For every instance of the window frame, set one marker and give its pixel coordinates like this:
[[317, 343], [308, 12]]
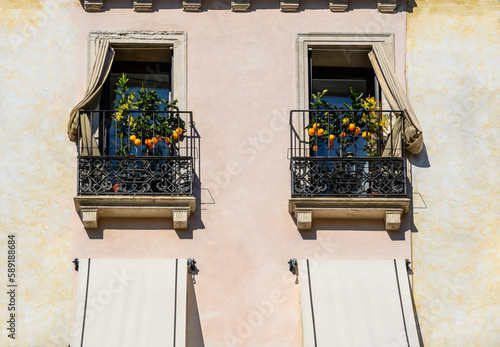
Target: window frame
[[306, 41], [177, 40]]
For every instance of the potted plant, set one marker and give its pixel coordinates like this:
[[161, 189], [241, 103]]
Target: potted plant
[[349, 126], [155, 120]]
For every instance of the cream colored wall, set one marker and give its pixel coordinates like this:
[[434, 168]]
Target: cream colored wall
[[241, 86], [452, 72]]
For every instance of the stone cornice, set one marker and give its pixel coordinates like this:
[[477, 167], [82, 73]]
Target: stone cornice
[[386, 6]]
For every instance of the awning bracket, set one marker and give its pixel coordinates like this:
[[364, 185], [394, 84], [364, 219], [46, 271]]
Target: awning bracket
[[192, 269], [294, 269]]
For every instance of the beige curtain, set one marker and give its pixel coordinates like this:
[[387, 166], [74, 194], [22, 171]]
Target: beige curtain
[[100, 71], [398, 100]]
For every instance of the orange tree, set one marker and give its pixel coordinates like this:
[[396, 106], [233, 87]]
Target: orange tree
[[157, 120], [326, 126]]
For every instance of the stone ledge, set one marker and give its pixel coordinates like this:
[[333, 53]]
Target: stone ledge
[[390, 210], [91, 208]]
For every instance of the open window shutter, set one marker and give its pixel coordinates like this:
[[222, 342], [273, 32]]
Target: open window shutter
[[100, 71]]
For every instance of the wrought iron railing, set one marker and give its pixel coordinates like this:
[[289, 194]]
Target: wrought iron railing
[[128, 159], [347, 153]]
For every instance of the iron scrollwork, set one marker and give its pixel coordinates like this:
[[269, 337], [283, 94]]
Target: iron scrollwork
[[348, 177], [135, 175]]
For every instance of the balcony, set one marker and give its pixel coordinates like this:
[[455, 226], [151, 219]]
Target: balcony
[[348, 164], [139, 165]]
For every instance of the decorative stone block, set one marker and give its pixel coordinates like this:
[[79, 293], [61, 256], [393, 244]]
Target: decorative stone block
[[143, 5], [339, 5], [393, 220], [93, 5], [289, 5], [191, 5], [89, 217], [240, 5], [386, 5], [304, 219], [180, 218]]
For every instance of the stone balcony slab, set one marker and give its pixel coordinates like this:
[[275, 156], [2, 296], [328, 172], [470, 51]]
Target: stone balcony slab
[[92, 208], [391, 210]]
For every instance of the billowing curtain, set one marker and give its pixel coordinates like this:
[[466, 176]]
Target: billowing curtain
[[398, 100], [100, 71]]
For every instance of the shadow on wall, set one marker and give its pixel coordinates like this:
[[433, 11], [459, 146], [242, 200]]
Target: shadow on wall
[[193, 324], [139, 224], [411, 4], [354, 225], [421, 159]]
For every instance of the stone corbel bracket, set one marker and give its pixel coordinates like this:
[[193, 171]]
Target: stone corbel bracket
[[339, 5], [191, 5], [387, 6], [93, 5], [240, 5], [390, 210], [92, 208], [289, 5], [143, 5]]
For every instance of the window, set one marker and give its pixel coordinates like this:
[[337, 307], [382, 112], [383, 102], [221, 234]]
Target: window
[[144, 67], [107, 170], [347, 163]]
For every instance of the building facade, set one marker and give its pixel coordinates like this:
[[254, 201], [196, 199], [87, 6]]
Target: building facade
[[248, 186]]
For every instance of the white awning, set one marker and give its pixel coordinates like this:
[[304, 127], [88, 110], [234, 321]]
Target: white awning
[[356, 303], [130, 302]]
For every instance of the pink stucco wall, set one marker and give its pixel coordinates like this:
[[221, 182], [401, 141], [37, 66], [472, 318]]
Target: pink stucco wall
[[241, 87]]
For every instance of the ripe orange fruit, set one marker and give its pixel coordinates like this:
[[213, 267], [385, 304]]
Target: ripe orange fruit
[[321, 132], [331, 137], [175, 136], [315, 148], [315, 126], [154, 140], [365, 134], [352, 127], [167, 140], [311, 131], [357, 131], [345, 120], [330, 144], [344, 135], [133, 138], [179, 131], [137, 142]]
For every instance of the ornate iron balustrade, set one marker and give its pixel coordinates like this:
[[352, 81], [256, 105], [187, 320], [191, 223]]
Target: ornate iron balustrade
[[135, 175], [348, 177], [110, 162], [365, 162]]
